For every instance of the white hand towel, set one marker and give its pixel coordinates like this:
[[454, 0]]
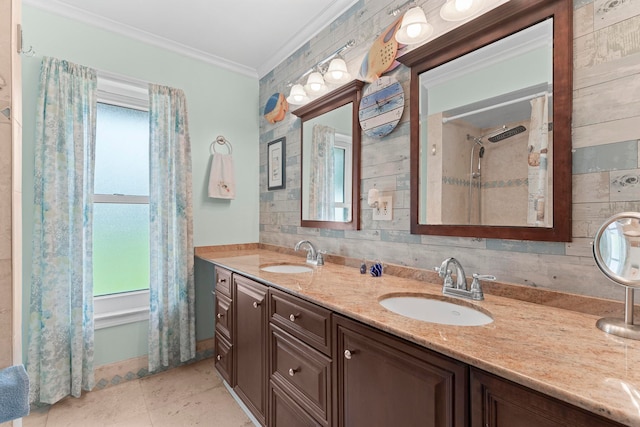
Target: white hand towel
[[222, 181]]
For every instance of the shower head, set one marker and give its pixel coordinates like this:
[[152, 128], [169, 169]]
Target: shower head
[[508, 133]]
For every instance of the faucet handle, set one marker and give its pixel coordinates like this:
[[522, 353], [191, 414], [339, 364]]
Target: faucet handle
[[320, 257], [446, 275], [476, 287]]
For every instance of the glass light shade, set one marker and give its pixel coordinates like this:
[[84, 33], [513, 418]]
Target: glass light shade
[[297, 96], [315, 83], [337, 72], [414, 28], [458, 10]]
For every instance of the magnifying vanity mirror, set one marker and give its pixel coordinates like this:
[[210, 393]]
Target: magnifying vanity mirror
[[616, 249], [330, 172], [491, 125]]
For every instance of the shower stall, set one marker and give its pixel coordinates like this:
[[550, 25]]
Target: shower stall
[[476, 189]]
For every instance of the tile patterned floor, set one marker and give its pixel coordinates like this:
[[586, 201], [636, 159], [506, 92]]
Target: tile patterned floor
[[187, 396]]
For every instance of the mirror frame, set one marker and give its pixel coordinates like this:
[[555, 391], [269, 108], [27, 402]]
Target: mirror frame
[[350, 92], [494, 25]]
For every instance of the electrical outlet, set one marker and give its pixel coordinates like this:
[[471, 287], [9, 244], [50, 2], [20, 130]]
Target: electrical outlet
[[384, 211]]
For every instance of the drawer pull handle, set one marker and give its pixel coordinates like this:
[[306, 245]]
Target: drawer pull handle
[[293, 317], [348, 354], [292, 371], [219, 358], [222, 281], [256, 304], [219, 315]]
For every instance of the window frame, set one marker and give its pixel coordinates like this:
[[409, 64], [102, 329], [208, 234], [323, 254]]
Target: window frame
[[343, 142], [124, 307]]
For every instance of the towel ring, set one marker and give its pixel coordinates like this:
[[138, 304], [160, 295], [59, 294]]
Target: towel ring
[[222, 141]]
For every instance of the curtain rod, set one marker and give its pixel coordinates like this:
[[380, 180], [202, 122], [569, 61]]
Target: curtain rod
[[491, 107]]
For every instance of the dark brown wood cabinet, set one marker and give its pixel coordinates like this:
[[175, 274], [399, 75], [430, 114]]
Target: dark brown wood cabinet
[[224, 325], [300, 362], [496, 402], [250, 344], [384, 381], [296, 364]]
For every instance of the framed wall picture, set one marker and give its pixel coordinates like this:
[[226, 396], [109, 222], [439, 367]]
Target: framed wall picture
[[276, 155]]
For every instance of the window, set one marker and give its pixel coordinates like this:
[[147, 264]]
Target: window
[[121, 203]]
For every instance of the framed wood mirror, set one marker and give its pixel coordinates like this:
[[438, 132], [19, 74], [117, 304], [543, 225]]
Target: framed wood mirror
[[491, 105], [330, 157]]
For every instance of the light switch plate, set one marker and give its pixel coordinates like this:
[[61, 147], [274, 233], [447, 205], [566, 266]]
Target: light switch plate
[[384, 211]]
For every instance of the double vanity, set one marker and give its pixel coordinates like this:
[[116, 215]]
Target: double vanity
[[314, 345]]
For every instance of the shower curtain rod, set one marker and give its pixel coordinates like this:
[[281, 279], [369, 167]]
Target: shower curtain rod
[[491, 107]]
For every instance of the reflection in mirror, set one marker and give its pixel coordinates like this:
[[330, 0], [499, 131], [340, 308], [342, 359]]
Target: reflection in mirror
[[616, 249], [487, 120], [327, 166], [330, 172], [490, 112]]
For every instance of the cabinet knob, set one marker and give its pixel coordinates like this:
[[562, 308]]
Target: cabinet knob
[[218, 358], [256, 304], [292, 371], [293, 317], [348, 354], [219, 315]]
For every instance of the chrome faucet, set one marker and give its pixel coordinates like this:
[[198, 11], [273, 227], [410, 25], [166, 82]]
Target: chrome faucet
[[312, 253], [461, 289]]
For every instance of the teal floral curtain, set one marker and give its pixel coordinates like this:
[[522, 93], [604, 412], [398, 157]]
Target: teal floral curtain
[[171, 291], [60, 355]]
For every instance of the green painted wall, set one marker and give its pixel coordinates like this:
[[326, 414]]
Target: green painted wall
[[220, 102]]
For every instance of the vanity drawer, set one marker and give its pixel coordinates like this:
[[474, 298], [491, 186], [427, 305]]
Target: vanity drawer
[[304, 320], [224, 315], [301, 371], [224, 359], [223, 281], [284, 412]]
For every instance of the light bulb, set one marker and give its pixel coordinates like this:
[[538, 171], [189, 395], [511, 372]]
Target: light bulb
[[413, 30], [462, 5], [337, 75], [298, 98]]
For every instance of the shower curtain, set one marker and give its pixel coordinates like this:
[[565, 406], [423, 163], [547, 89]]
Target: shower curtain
[[60, 355], [322, 194], [538, 161], [171, 290]]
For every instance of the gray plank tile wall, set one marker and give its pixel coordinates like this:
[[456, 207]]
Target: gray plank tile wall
[[606, 163]]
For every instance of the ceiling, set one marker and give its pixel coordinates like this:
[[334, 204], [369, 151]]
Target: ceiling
[[247, 36]]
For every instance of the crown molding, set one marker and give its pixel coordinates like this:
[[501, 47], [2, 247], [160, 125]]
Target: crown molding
[[312, 28], [77, 14]]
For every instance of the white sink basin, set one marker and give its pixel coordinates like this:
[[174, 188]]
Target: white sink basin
[[286, 268], [431, 309]]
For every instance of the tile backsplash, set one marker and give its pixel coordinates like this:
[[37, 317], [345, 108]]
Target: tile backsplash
[[606, 157]]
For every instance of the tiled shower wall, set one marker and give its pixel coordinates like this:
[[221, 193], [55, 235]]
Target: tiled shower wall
[[606, 159]]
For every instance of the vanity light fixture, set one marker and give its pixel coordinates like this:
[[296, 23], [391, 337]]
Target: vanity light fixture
[[337, 72], [315, 84], [414, 28], [334, 69], [297, 96], [459, 10]]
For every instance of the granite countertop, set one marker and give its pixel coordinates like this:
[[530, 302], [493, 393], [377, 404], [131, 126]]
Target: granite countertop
[[555, 351]]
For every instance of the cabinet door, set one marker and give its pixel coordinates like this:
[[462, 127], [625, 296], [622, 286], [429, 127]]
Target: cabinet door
[[385, 381], [496, 402], [250, 344]]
